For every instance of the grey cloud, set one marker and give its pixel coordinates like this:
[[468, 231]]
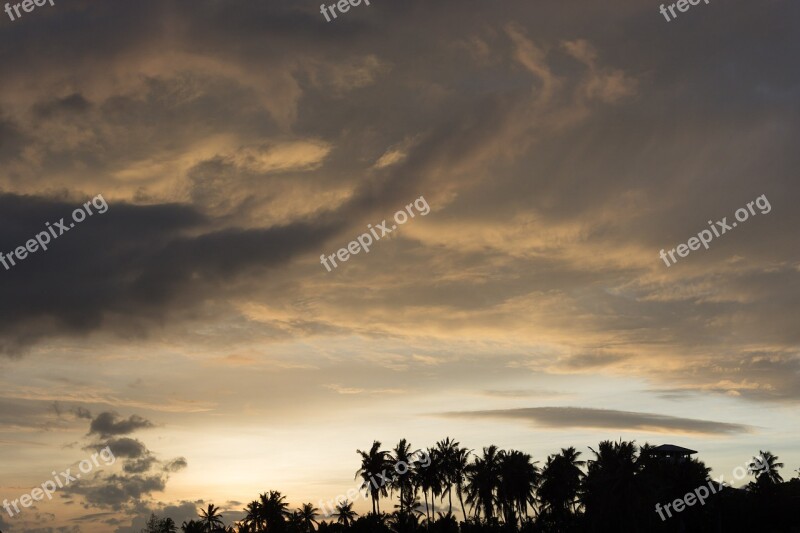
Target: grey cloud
[[109, 423], [139, 466], [581, 417], [182, 512], [123, 447], [114, 491], [176, 465], [136, 264], [523, 393], [74, 103]]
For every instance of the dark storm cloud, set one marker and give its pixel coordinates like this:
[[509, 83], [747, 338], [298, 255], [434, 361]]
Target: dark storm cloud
[[176, 465], [12, 139], [139, 466], [74, 103], [180, 513], [114, 491], [124, 268], [123, 447], [137, 481], [109, 423], [580, 417]]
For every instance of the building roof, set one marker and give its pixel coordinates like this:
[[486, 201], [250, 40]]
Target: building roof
[[671, 448]]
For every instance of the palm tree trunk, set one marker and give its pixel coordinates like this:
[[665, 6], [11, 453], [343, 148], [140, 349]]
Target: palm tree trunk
[[427, 509], [401, 497], [450, 497], [461, 499]]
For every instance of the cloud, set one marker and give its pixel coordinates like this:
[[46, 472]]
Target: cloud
[[523, 393], [114, 491], [109, 423], [181, 512], [176, 465], [134, 265], [580, 417]]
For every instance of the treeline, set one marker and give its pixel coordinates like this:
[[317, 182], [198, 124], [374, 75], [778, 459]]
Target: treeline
[[455, 490]]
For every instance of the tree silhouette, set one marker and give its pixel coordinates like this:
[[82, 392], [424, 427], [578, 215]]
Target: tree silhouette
[[193, 526], [211, 519], [308, 513], [429, 478], [374, 462], [621, 488], [344, 513], [560, 484], [516, 488], [765, 468], [403, 481], [611, 488], [483, 477], [459, 474]]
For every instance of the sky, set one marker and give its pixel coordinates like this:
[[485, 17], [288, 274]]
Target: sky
[[549, 152]]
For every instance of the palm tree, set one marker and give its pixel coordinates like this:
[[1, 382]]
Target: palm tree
[[447, 450], [518, 478], [344, 513], [430, 479], [193, 526], [254, 518], [612, 489], [274, 510], [211, 518], [482, 480], [294, 522], [374, 462], [309, 514], [402, 454], [561, 481], [765, 468], [459, 473]]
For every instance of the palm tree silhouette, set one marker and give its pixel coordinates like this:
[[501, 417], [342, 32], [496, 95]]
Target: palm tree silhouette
[[430, 479], [402, 454], [309, 514], [560, 485], [211, 518], [482, 480], [516, 489], [765, 468], [344, 513], [254, 518], [459, 474], [507, 492], [193, 526], [374, 462], [612, 488]]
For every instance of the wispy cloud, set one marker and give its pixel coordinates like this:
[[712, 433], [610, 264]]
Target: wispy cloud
[[581, 417]]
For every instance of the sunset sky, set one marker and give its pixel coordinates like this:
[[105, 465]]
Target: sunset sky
[[560, 147]]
